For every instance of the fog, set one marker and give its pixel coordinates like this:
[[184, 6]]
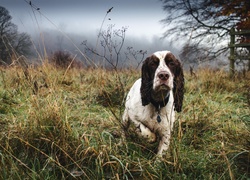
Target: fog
[[48, 41], [64, 25]]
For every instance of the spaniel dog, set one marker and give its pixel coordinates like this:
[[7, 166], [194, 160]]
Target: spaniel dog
[[153, 99]]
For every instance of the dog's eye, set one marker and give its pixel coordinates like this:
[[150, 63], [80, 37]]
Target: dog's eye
[[154, 63], [171, 64]]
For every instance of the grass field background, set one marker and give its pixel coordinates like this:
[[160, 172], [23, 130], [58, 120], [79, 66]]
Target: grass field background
[[60, 123]]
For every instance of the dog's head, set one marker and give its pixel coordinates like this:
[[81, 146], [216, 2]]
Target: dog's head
[[161, 73]]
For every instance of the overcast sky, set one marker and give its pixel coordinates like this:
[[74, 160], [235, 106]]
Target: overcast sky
[[82, 19], [84, 16]]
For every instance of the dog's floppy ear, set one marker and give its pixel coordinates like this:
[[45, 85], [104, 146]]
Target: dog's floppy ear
[[145, 82], [178, 87]]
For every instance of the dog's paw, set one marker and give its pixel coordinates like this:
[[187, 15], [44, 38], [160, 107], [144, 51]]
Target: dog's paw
[[146, 133]]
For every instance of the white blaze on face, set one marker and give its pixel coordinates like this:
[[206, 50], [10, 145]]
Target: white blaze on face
[[162, 69]]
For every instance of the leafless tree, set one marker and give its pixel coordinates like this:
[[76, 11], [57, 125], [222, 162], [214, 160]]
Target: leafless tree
[[201, 22], [111, 41], [137, 55], [11, 41], [192, 54], [111, 50]]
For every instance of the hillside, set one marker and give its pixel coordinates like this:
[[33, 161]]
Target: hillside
[[65, 124]]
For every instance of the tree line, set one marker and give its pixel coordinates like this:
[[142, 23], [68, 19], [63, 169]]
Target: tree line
[[206, 24], [12, 43]]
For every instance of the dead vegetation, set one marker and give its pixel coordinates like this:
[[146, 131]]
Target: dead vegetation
[[64, 124]]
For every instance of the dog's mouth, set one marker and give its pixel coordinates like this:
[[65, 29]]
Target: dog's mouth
[[160, 92], [163, 87]]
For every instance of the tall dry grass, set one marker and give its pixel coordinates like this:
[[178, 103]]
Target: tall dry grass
[[65, 124]]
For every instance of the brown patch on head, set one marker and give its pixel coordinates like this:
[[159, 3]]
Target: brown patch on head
[[149, 67], [172, 63], [152, 63], [175, 66], [169, 57]]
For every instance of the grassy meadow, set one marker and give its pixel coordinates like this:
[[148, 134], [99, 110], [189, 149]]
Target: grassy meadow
[[60, 123]]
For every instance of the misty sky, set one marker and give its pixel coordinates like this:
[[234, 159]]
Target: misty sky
[[81, 20], [85, 16]]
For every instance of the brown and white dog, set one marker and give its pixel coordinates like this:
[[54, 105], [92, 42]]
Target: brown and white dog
[[153, 99]]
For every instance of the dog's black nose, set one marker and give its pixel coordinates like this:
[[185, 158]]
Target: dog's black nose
[[163, 75]]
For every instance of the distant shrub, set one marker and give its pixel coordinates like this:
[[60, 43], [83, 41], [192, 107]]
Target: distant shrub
[[63, 59]]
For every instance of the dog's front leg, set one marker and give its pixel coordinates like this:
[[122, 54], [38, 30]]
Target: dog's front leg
[[145, 132], [164, 143]]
